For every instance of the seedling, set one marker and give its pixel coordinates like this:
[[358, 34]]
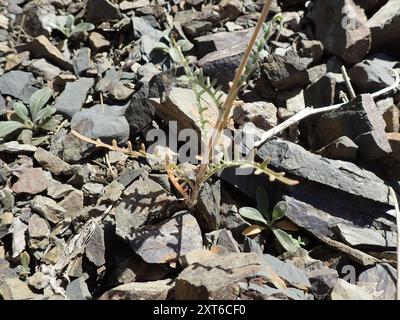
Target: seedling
[[66, 25], [24, 267], [37, 116], [270, 221]]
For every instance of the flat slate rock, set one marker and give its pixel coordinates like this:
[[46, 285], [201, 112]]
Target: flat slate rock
[[17, 84]]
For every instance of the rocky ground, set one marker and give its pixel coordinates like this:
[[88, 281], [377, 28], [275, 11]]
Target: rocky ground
[[80, 222]]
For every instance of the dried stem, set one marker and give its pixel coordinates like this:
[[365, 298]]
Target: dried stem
[[310, 111], [348, 83], [396, 208]]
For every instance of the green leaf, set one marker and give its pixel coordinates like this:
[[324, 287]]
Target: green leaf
[[69, 22], [25, 259], [252, 214], [7, 127], [263, 202], [279, 211], [45, 113], [38, 100], [174, 54], [51, 124], [286, 240], [21, 111], [82, 27], [161, 46], [185, 45]]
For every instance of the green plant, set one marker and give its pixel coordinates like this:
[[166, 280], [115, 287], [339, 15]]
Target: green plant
[[270, 221], [169, 49], [24, 267], [66, 25], [38, 115]]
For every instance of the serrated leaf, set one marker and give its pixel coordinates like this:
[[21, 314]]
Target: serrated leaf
[[252, 214], [253, 230], [7, 127], [174, 54], [37, 101], [185, 45], [286, 240], [263, 202], [82, 27], [21, 111], [279, 211]]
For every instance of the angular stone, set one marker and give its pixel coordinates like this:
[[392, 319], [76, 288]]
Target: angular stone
[[293, 159], [112, 192], [95, 249], [196, 256], [98, 42], [323, 92], [78, 290], [18, 229], [47, 70], [48, 209], [360, 121], [50, 162], [72, 99], [14, 147], [38, 281], [371, 75], [142, 27], [106, 123], [7, 199], [130, 5], [38, 228], [41, 47], [17, 84], [385, 26], [73, 204], [144, 201], [341, 149], [220, 278], [366, 237], [208, 206], [31, 181], [343, 29], [286, 71], [390, 113], [15, 289], [166, 242], [262, 114], [98, 11], [347, 291], [197, 28], [380, 281], [82, 61], [322, 281], [152, 290]]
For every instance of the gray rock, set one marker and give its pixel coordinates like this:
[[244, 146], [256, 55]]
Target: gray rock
[[342, 28], [366, 237], [72, 99], [18, 229], [73, 204], [222, 238], [31, 181], [220, 278], [341, 149], [293, 159], [17, 84], [95, 249], [82, 61], [45, 69], [385, 26], [106, 123], [50, 162], [38, 228], [390, 113], [380, 281], [144, 201], [371, 75], [14, 147], [322, 281], [207, 209], [152, 290], [360, 121], [141, 27], [48, 209], [78, 290], [166, 242], [98, 11], [7, 200], [112, 192], [92, 189], [286, 71], [127, 176], [347, 291], [324, 91], [262, 114], [15, 289], [38, 281], [197, 28]]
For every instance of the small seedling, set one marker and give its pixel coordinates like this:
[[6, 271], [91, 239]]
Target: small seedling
[[24, 267], [66, 25], [37, 116], [269, 221]]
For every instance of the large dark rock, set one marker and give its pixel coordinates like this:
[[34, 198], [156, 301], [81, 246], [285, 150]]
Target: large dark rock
[[342, 28], [98, 11], [17, 84]]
